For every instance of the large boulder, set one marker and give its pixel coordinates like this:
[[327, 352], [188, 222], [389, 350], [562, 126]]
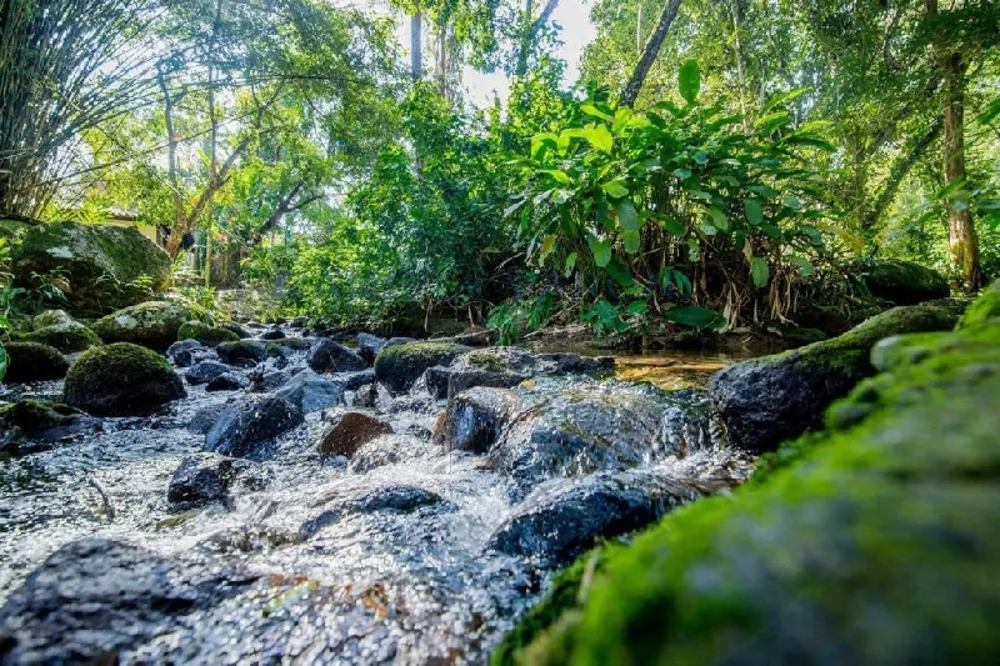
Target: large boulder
[[246, 425], [121, 379], [153, 324], [33, 362], [312, 392], [902, 282], [398, 367], [349, 432], [98, 597], [871, 543], [69, 337], [210, 336], [770, 399], [51, 318], [475, 419], [330, 356], [102, 263]]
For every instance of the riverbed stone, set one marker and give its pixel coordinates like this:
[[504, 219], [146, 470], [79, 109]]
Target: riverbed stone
[[770, 399], [369, 346], [397, 498], [398, 367], [153, 324], [185, 353], [34, 362], [243, 354], [327, 355], [51, 318], [475, 419], [312, 392], [207, 478], [121, 379], [246, 425], [31, 425], [205, 371], [902, 282], [388, 450], [208, 335], [100, 263], [228, 381], [68, 338], [349, 431]]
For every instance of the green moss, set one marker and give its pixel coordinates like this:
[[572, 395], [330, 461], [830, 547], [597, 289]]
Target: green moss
[[67, 338], [985, 309], [31, 361], [873, 541], [121, 379], [153, 324], [487, 361], [51, 318], [36, 415], [205, 334], [902, 282]]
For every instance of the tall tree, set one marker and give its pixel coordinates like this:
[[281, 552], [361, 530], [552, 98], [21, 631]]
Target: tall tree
[[631, 90]]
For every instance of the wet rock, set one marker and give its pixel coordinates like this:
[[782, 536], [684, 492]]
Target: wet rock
[[210, 336], [34, 362], [770, 399], [577, 427], [205, 418], [559, 523], [153, 324], [364, 397], [483, 338], [207, 478], [414, 404], [400, 366], [330, 356], [185, 353], [475, 419], [311, 392], [121, 379], [227, 382], [388, 450], [249, 423], [68, 338], [418, 431], [245, 353], [98, 597], [51, 318], [902, 282], [349, 431], [369, 346], [205, 371], [352, 381], [88, 254], [273, 334], [240, 332], [29, 426], [262, 381], [400, 498]]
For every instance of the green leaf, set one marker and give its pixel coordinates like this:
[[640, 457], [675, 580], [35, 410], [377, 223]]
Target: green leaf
[[784, 98], [560, 177], [615, 189], [548, 245], [637, 308], [599, 137], [689, 81], [672, 225], [3, 362], [632, 240], [570, 264], [628, 217], [992, 112], [755, 211], [806, 267], [719, 219], [683, 174], [793, 202], [601, 249], [696, 317], [513, 208], [760, 272], [592, 110], [544, 140]]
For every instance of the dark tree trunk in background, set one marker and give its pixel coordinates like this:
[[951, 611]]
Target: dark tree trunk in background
[[631, 90], [416, 47]]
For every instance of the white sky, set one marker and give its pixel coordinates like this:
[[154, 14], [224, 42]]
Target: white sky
[[577, 31]]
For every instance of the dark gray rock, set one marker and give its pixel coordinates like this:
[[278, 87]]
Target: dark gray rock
[[207, 478], [559, 523], [400, 498], [273, 334], [398, 367], [369, 346], [245, 353], [95, 598], [34, 362], [227, 382], [247, 424], [475, 419], [330, 356], [205, 371], [205, 418], [311, 392], [185, 353], [238, 330]]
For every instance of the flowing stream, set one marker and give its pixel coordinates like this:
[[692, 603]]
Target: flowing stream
[[415, 584]]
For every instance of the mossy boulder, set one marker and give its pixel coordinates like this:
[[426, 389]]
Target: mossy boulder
[[34, 362], [984, 310], [399, 366], [153, 324], [243, 353], [67, 338], [875, 543], [902, 282], [102, 263], [770, 399], [51, 318], [210, 336], [121, 379]]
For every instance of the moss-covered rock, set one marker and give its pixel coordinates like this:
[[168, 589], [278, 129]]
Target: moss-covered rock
[[872, 543], [770, 399], [34, 362], [210, 336], [102, 263], [902, 282], [67, 338], [242, 352], [121, 379], [153, 324], [51, 318], [399, 366], [984, 310]]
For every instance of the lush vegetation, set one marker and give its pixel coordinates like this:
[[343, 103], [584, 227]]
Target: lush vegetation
[[715, 165]]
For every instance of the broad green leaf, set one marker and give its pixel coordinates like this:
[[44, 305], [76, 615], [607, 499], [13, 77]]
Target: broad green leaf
[[700, 194], [548, 245], [760, 272], [599, 137], [622, 117], [601, 249], [793, 202], [560, 177], [615, 189], [755, 211], [672, 225], [513, 208], [570, 264], [701, 158], [992, 112], [545, 139], [696, 317], [632, 240], [689, 81], [719, 219], [694, 250], [806, 267], [628, 217], [783, 98], [592, 110], [683, 174]]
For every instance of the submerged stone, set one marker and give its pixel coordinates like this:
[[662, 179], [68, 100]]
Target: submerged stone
[[247, 424]]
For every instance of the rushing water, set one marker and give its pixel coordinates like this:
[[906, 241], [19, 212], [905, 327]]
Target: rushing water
[[413, 587]]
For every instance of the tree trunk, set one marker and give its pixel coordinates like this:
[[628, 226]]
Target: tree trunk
[[961, 231], [534, 25], [631, 90], [416, 47]]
